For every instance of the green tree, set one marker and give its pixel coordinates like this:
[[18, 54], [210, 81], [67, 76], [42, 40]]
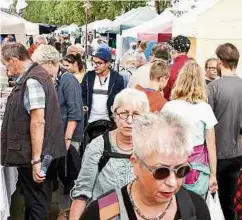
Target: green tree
[[161, 5], [61, 12]]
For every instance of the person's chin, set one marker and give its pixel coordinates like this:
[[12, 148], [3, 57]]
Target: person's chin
[[127, 131]]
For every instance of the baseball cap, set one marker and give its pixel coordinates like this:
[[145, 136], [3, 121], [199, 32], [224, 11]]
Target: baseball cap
[[180, 43], [103, 52]]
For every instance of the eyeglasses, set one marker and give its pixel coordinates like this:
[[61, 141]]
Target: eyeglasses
[[212, 68], [163, 172], [125, 115], [98, 64]]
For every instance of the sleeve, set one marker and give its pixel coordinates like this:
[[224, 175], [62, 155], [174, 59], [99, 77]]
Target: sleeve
[[202, 211], [91, 212], [89, 171], [34, 97], [84, 89], [73, 98], [210, 119], [211, 96], [121, 82]]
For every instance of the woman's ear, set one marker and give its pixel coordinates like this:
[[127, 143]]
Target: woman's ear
[[135, 163]]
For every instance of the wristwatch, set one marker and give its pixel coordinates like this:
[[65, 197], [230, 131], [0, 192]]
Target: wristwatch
[[33, 162]]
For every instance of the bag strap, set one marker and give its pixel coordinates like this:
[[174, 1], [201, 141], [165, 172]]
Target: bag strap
[[186, 206], [108, 206], [107, 153]]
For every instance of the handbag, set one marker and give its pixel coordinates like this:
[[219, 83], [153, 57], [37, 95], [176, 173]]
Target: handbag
[[214, 207], [69, 166]]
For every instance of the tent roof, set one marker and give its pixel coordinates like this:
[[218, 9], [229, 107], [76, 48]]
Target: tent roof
[[10, 24], [220, 19], [160, 24], [223, 21], [97, 25], [131, 19]]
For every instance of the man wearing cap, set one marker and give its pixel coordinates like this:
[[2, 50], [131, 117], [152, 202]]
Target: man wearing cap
[[180, 46], [99, 88]]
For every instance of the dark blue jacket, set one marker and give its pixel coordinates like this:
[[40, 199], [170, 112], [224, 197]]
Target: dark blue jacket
[[70, 101], [116, 84]]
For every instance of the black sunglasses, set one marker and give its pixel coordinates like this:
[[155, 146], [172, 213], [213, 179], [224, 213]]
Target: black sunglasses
[[163, 172]]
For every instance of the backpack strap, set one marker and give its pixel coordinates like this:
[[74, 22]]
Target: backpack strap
[[186, 206], [107, 153], [108, 206]]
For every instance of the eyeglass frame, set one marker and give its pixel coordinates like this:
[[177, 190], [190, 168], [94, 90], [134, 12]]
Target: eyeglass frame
[[127, 115], [211, 68], [153, 170], [98, 64]]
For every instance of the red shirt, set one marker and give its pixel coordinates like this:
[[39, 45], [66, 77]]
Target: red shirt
[[32, 49], [174, 70]]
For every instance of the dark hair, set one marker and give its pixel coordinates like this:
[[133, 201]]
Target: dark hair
[[14, 49], [160, 51], [70, 58], [229, 55], [208, 60], [57, 46]]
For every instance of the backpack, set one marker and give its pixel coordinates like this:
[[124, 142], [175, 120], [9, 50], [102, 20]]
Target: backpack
[[107, 153], [108, 205]]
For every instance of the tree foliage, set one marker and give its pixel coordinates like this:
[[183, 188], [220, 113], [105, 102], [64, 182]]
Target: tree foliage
[[66, 12]]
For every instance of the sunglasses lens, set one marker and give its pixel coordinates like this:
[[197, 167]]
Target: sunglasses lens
[[161, 173], [183, 171]]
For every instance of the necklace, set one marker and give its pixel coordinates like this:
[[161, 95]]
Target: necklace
[[104, 82], [137, 210], [117, 142]]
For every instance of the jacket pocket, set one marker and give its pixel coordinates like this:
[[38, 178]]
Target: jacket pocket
[[14, 145]]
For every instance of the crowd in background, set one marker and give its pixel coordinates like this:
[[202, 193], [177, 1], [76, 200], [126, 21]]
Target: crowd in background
[[162, 132]]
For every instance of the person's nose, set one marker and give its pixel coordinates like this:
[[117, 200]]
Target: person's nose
[[130, 119], [171, 180]]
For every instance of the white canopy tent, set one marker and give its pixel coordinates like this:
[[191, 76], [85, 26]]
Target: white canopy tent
[[7, 20], [219, 24], [11, 24], [99, 25], [131, 19], [159, 24]]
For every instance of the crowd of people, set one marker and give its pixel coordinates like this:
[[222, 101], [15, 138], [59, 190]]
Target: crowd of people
[[146, 143]]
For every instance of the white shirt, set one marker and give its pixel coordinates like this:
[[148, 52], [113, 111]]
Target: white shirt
[[200, 116], [99, 110]]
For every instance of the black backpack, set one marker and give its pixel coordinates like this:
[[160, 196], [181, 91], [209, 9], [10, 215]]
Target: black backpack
[[107, 153]]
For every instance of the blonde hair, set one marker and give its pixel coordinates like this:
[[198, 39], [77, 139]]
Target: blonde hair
[[46, 54], [158, 69], [190, 84]]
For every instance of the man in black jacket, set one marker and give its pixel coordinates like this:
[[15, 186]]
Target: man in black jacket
[[99, 88]]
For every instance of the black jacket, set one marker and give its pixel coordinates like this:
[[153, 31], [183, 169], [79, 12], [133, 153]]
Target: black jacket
[[116, 84]]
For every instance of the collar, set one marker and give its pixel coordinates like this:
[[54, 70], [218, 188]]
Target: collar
[[25, 70]]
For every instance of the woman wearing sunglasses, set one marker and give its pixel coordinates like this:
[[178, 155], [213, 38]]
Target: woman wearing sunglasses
[[189, 99], [117, 172], [161, 145]]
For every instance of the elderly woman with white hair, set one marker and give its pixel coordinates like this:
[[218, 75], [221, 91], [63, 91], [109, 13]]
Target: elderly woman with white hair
[[161, 145], [70, 101], [106, 163]]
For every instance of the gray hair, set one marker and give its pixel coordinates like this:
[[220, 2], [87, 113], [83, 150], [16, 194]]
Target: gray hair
[[164, 133], [40, 37], [46, 54], [78, 47], [134, 97]]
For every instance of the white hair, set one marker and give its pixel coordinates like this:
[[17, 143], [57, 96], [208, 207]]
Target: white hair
[[159, 133], [133, 97], [40, 37], [45, 54]]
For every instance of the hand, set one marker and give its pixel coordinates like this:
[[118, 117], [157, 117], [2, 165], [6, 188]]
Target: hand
[[68, 143], [213, 185], [36, 170]]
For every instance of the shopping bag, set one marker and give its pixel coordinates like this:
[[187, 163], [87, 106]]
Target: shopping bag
[[214, 207]]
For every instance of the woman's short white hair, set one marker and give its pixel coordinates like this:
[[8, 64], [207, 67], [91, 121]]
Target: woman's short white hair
[[133, 97], [46, 54], [77, 48], [40, 37], [165, 132]]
